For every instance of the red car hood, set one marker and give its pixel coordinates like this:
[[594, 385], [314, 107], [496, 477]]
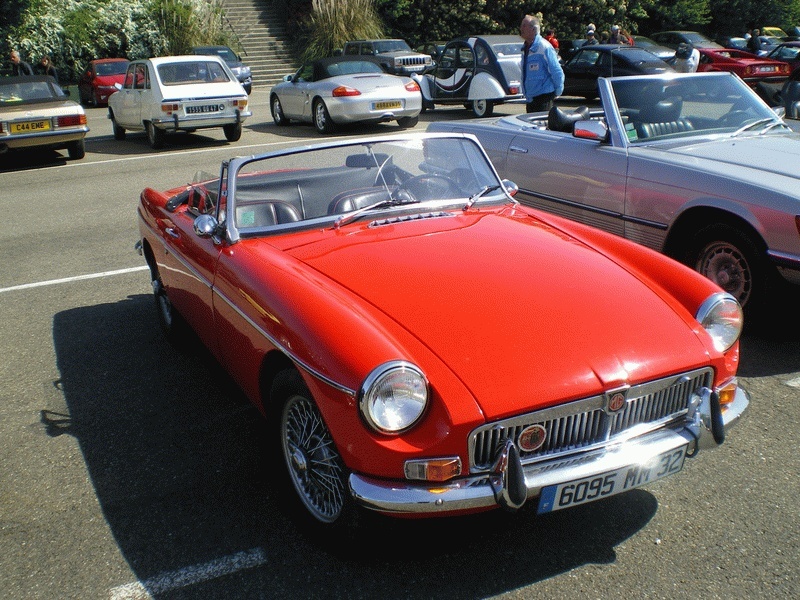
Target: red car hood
[[109, 80], [518, 333]]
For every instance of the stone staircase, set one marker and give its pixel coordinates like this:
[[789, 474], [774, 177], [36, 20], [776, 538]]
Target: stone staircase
[[259, 27]]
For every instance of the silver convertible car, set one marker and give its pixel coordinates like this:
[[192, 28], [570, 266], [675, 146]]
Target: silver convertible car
[[693, 165]]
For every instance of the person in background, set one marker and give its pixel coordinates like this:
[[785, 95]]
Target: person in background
[[687, 58], [48, 68], [626, 35], [591, 40], [616, 37], [19, 66], [542, 75], [604, 37], [754, 41], [550, 36]]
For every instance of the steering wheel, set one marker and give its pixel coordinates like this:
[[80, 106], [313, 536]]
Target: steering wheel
[[735, 118], [428, 187]]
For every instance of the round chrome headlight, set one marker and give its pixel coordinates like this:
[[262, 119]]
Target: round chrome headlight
[[721, 316], [393, 397]]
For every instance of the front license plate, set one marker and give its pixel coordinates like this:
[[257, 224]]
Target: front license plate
[[30, 126], [205, 108], [387, 105], [580, 491]]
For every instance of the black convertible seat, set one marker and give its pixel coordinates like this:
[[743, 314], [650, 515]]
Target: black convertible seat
[[561, 120], [355, 199], [662, 118], [269, 212], [646, 130]]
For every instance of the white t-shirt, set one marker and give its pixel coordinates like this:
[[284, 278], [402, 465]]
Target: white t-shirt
[[688, 65]]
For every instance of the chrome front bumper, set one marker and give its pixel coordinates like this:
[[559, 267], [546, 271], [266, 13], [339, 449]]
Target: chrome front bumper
[[511, 484]]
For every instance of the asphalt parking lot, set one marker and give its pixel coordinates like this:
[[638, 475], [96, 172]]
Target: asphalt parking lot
[[131, 470]]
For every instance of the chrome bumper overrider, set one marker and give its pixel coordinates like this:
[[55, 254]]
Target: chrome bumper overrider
[[511, 483]]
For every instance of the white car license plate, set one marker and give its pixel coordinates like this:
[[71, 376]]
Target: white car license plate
[[30, 126], [205, 108], [387, 105], [580, 491]]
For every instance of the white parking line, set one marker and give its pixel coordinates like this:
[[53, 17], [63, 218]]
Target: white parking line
[[26, 286], [181, 578]]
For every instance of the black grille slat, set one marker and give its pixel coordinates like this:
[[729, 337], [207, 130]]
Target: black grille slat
[[584, 423]]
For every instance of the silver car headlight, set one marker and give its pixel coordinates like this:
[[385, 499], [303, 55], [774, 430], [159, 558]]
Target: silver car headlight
[[721, 316], [393, 397]]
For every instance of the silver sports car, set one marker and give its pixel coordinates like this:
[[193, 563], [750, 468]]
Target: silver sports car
[[696, 166], [345, 89]]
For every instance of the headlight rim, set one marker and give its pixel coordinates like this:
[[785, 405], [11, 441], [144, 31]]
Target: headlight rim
[[709, 310], [374, 378]]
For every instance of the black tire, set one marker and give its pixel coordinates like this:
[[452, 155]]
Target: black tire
[[119, 132], [175, 328], [277, 111], [314, 491], [155, 136], [482, 108], [233, 132], [322, 120], [77, 149], [735, 262], [408, 122]]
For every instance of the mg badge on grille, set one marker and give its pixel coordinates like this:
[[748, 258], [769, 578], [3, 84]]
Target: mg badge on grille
[[531, 438], [615, 400]]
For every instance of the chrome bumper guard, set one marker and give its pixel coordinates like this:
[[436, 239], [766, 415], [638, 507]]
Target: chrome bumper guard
[[510, 483]]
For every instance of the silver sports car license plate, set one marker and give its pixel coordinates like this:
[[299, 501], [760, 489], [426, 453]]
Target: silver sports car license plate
[[580, 491]]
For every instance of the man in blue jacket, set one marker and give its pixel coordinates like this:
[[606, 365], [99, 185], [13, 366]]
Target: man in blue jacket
[[542, 75]]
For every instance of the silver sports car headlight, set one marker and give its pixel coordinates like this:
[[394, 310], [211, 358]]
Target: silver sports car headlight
[[721, 316], [393, 397]]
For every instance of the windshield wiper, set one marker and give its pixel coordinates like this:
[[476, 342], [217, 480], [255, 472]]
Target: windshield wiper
[[350, 217], [480, 194], [756, 124]]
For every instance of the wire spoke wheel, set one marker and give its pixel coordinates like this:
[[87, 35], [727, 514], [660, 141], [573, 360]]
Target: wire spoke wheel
[[312, 461]]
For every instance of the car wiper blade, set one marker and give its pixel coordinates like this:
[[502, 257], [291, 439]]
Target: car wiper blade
[[755, 125], [350, 217], [480, 194]]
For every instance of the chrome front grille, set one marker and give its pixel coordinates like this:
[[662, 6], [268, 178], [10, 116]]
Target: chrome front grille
[[585, 423]]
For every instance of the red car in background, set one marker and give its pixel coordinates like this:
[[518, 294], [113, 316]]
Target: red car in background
[[98, 80], [752, 69]]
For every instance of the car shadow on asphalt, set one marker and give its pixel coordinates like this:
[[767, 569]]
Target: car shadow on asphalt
[[178, 462]]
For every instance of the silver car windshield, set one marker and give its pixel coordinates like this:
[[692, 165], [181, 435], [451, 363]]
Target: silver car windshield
[[660, 108], [336, 183]]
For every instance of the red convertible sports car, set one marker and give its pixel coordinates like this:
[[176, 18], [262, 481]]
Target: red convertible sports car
[[752, 69], [423, 345]]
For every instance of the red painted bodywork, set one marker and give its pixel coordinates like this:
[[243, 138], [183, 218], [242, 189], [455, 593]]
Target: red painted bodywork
[[506, 309], [744, 64]]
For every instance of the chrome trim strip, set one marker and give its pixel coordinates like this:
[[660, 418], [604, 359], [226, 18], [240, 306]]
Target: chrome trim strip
[[300, 363], [594, 209], [294, 358]]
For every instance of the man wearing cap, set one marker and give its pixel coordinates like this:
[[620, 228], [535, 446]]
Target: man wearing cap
[[591, 39], [687, 58], [616, 37], [542, 75]]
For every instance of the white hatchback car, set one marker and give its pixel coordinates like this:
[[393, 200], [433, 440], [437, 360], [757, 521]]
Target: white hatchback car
[[178, 93]]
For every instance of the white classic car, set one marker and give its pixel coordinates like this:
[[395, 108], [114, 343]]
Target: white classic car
[[178, 93], [694, 165]]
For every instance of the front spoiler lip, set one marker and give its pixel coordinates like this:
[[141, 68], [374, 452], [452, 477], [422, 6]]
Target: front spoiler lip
[[490, 490]]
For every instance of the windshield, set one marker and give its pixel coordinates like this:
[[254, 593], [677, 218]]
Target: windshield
[[690, 105], [330, 181]]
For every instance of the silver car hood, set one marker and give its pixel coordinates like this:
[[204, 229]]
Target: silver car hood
[[771, 153]]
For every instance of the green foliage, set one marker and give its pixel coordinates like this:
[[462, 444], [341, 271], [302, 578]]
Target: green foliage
[[74, 31], [333, 22]]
